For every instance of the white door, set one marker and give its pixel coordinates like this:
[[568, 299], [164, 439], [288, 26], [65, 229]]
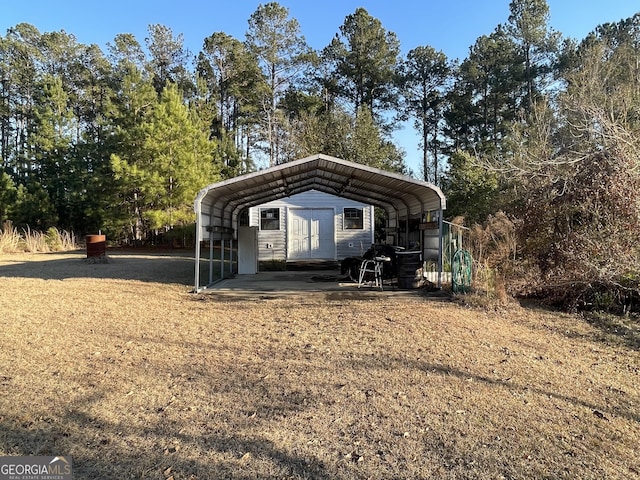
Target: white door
[[247, 250], [322, 236], [311, 233], [298, 233]]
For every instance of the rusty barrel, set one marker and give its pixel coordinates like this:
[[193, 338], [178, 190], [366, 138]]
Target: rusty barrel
[[409, 270], [96, 245]]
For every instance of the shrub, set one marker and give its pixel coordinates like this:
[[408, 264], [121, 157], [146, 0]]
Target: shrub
[[493, 247], [53, 239], [272, 265]]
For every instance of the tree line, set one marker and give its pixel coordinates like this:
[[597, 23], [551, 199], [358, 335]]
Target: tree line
[[541, 128], [122, 140]]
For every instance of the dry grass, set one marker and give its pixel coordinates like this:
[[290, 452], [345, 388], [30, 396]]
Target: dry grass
[[34, 241], [137, 378], [10, 239]]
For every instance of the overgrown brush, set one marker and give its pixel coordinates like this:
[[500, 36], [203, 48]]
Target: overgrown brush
[[511, 258], [60, 241], [582, 238], [34, 241], [9, 238], [493, 247]]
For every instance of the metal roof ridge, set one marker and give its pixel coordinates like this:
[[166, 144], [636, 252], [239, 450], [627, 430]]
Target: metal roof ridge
[[318, 159]]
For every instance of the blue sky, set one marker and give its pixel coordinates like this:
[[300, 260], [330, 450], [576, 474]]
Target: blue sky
[[448, 25]]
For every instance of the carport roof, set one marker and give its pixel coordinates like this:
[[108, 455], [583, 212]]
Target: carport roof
[[401, 196]]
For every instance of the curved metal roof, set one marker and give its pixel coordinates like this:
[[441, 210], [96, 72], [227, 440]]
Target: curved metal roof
[[401, 196]]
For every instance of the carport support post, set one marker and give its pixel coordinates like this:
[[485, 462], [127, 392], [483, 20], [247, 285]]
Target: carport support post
[[440, 212], [221, 257], [231, 269], [210, 257], [198, 239], [197, 272]]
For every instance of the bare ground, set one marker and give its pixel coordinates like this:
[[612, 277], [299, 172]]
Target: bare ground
[[119, 366]]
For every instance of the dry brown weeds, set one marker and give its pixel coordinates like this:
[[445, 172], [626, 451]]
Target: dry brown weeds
[[120, 367]]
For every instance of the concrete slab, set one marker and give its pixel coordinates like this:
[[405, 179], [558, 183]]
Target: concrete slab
[[319, 284]]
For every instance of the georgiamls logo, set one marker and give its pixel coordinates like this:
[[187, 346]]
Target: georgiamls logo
[[35, 468]]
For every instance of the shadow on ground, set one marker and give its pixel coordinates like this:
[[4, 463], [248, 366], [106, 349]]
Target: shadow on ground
[[173, 267], [176, 267]]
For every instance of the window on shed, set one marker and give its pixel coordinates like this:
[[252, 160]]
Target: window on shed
[[353, 219], [270, 219]]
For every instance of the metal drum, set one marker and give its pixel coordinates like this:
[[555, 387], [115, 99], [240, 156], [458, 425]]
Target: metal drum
[[409, 270], [96, 245]]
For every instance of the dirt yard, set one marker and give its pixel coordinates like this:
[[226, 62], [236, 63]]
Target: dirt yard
[[119, 366]]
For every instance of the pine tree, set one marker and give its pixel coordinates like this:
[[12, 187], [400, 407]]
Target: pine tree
[[168, 63], [537, 43], [235, 85], [161, 175], [425, 75], [282, 51], [362, 61]]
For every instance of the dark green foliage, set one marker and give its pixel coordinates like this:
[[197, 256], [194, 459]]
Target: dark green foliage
[[283, 54], [168, 63], [33, 208], [472, 190], [94, 141], [8, 196], [232, 88]]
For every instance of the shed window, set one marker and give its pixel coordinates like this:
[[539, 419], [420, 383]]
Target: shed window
[[353, 219], [270, 219]]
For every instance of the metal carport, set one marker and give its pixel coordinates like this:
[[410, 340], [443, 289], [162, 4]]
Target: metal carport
[[217, 206]]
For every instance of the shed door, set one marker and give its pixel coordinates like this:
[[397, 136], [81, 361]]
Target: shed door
[[311, 233]]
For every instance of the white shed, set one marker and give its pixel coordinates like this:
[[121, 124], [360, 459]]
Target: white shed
[[312, 225]]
